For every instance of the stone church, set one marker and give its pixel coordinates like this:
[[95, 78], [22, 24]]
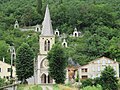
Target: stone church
[[46, 40]]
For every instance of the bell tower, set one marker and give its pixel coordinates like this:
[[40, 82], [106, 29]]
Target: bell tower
[[46, 41], [47, 38]]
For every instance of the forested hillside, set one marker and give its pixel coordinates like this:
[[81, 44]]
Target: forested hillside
[[98, 20]]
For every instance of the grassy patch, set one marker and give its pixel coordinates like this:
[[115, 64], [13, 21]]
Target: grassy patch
[[55, 87], [62, 87], [29, 87]]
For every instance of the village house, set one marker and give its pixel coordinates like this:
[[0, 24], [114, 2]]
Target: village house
[[93, 69], [5, 70]]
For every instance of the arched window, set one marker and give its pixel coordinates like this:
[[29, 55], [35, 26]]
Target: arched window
[[16, 26], [56, 33], [48, 45], [45, 46], [64, 45], [75, 34]]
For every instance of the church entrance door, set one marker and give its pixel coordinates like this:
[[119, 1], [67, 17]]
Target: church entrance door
[[43, 78]]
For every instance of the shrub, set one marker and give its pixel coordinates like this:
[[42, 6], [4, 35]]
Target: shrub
[[98, 87], [87, 82], [2, 82]]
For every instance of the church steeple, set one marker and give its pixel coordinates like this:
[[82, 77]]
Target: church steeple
[[47, 29]]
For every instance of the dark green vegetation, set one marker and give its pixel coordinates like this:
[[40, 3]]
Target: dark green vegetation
[[24, 62], [57, 64], [98, 20], [2, 82], [107, 80]]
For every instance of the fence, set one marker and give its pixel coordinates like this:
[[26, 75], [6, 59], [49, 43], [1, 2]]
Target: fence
[[9, 87]]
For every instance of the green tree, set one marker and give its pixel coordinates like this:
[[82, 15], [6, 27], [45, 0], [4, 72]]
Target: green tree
[[114, 48], [57, 63], [24, 62], [109, 81], [39, 6], [4, 51]]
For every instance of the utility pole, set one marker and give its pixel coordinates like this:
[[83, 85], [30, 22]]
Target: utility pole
[[13, 57]]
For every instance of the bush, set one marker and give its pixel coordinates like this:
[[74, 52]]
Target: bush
[[87, 82], [2, 82], [98, 87]]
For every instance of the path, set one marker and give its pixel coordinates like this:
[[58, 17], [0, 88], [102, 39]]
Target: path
[[47, 87]]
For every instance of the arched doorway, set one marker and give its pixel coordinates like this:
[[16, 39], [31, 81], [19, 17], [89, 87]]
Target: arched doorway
[[75, 34], [43, 78], [50, 79]]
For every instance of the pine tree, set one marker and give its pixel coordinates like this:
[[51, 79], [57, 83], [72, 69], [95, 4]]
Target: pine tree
[[57, 63], [24, 62], [108, 79]]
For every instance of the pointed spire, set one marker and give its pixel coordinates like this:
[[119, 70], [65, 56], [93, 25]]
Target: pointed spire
[[47, 29]]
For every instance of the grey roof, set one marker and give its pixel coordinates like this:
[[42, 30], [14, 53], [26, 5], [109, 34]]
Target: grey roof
[[47, 29], [73, 63]]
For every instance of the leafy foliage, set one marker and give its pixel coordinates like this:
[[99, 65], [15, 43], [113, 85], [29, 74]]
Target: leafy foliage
[[24, 63], [87, 82], [39, 6], [57, 63], [109, 81], [98, 87], [98, 20], [2, 82]]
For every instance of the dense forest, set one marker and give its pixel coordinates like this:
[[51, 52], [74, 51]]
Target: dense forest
[[98, 20]]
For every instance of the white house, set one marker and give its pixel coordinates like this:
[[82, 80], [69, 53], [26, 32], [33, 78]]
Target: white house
[[5, 70], [94, 68]]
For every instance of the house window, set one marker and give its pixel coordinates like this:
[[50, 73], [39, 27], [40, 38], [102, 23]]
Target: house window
[[103, 62], [84, 70], [109, 61], [98, 61], [0, 70], [84, 77], [8, 69], [98, 69]]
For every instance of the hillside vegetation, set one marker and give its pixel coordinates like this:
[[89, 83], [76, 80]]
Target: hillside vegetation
[[98, 20]]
